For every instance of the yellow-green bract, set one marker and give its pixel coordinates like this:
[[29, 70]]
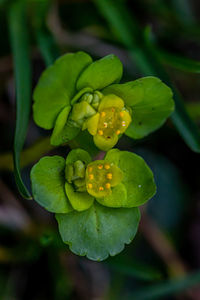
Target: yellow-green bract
[[95, 201], [76, 94]]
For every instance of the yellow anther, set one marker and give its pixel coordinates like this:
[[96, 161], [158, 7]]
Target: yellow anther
[[121, 114], [101, 188], [118, 132], [91, 176], [90, 169], [113, 109], [107, 185], [107, 166], [100, 167], [89, 186], [100, 132], [105, 125], [109, 176], [123, 123], [103, 114]]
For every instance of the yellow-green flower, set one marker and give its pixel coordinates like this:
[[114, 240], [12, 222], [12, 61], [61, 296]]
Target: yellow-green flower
[[77, 94]]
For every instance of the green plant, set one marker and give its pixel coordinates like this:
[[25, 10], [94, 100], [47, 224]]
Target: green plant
[[96, 201], [76, 93]]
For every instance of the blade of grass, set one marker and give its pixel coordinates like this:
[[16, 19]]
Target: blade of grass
[[178, 62], [134, 269], [22, 68], [44, 38], [169, 287], [131, 36]]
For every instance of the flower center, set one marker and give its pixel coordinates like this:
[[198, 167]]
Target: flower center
[[112, 121], [100, 177]]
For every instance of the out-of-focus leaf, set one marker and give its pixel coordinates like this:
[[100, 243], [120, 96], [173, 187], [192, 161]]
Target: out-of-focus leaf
[[178, 62], [45, 40], [20, 47], [134, 269], [169, 287], [144, 56], [171, 191]]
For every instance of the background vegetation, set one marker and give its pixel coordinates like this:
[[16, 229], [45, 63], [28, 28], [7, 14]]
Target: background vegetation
[[151, 37]]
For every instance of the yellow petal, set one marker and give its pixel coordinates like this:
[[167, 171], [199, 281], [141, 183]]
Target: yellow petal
[[110, 101]]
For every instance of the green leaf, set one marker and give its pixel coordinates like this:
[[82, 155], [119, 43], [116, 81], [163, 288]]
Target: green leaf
[[99, 231], [58, 135], [48, 184], [63, 132], [138, 178], [79, 200], [20, 47], [101, 73], [78, 154], [56, 87], [151, 102]]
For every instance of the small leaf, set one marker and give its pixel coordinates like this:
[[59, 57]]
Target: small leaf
[[78, 154], [151, 102], [101, 73], [138, 178], [58, 136], [99, 231], [48, 184], [56, 87], [79, 200]]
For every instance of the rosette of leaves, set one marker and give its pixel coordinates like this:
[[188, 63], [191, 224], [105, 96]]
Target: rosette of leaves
[[76, 94], [96, 202]]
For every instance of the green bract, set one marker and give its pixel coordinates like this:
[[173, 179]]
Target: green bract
[[95, 201], [76, 94]]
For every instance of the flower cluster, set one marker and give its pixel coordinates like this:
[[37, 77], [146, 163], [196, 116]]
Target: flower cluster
[[96, 202], [77, 94]]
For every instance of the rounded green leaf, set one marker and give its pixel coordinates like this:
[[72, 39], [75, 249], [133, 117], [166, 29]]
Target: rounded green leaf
[[79, 200], [151, 102], [48, 184], [78, 154], [99, 231], [138, 178], [101, 73], [57, 86]]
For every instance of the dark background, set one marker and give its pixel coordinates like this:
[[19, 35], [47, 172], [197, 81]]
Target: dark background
[[163, 261]]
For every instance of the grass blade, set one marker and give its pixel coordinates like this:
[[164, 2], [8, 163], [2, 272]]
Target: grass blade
[[169, 287], [144, 56], [22, 68], [134, 269], [179, 62], [44, 38]]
